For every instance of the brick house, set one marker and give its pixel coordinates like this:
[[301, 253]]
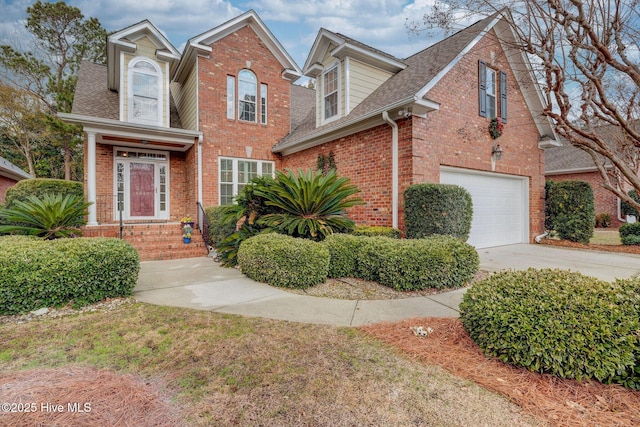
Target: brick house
[[9, 175], [165, 130]]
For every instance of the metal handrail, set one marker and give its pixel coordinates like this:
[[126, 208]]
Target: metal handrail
[[203, 226]]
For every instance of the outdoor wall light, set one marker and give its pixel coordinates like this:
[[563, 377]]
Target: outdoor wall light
[[496, 152]]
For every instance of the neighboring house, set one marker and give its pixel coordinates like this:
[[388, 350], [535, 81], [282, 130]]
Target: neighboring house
[[9, 175], [165, 130]]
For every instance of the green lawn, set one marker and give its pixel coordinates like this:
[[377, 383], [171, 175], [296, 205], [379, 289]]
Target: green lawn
[[605, 237], [231, 370]]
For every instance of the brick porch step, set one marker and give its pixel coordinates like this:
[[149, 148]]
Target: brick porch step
[[153, 241]]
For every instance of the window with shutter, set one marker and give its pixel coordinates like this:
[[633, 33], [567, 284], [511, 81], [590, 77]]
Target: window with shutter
[[503, 96]]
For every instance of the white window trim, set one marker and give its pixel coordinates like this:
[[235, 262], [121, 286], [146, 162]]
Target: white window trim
[[159, 74], [256, 97], [324, 120], [235, 172], [126, 212], [493, 95], [231, 97], [264, 109]]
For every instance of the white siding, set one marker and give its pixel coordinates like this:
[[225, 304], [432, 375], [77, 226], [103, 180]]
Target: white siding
[[363, 80]]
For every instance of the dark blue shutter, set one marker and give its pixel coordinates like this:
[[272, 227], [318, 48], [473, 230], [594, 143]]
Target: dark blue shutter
[[503, 96], [482, 88]]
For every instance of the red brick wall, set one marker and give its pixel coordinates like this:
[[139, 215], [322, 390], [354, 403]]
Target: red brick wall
[[455, 135], [604, 200], [5, 183], [229, 138]]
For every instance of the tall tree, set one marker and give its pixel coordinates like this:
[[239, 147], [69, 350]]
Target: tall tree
[[586, 56], [62, 39], [22, 122]]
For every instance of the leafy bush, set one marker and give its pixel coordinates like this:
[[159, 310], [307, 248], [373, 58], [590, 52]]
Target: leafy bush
[[310, 204], [570, 210], [38, 273], [557, 322], [630, 233], [39, 187], [626, 208], [51, 217], [284, 261], [218, 228], [603, 220], [372, 230], [342, 252], [441, 262], [370, 257], [437, 209]]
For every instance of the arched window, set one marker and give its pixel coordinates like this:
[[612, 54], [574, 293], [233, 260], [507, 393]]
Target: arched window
[[145, 100], [247, 90]]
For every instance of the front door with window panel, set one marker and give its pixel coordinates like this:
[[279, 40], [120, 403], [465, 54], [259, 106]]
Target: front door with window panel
[[141, 183]]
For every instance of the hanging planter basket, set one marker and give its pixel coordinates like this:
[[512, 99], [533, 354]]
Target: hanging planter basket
[[496, 127]]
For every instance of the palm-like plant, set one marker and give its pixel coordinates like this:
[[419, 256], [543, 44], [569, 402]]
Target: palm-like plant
[[51, 217], [310, 204]]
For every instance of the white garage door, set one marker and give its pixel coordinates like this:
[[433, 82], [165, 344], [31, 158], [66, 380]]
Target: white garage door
[[500, 206]]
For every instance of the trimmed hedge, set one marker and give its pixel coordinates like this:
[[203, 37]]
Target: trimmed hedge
[[557, 322], [630, 233], [370, 256], [373, 230], [284, 261], [342, 251], [441, 262], [39, 187], [626, 208], [38, 273], [218, 229], [442, 209], [570, 210]]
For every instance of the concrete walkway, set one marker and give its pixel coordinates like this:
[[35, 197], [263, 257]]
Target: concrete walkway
[[201, 283]]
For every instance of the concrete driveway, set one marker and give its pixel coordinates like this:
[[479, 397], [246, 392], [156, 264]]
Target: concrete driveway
[[603, 265]]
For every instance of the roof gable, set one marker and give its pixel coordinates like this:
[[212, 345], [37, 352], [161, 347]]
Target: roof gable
[[341, 46], [11, 171], [201, 44], [125, 41]]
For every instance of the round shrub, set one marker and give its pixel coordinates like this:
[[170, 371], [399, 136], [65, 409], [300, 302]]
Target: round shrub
[[284, 261], [38, 273], [342, 253], [554, 321], [626, 208], [437, 209], [441, 262], [630, 233], [39, 187], [374, 230], [570, 210]]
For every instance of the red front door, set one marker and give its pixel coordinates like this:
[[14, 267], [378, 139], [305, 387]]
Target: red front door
[[142, 189]]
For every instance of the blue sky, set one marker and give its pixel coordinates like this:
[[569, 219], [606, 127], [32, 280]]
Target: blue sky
[[379, 23]]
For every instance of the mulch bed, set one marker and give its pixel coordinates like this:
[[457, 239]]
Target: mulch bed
[[550, 399], [629, 249]]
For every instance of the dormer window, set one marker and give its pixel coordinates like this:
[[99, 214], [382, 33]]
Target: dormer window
[[330, 83], [145, 100]]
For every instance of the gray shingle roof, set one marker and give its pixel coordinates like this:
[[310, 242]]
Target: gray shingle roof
[[422, 68], [303, 107], [93, 98]]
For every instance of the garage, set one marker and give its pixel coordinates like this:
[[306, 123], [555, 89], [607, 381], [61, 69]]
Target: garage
[[500, 206]]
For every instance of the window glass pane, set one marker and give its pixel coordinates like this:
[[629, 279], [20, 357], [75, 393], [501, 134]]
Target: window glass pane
[[247, 170], [226, 194], [226, 170], [247, 88], [267, 169], [491, 93], [144, 65], [330, 81], [231, 89], [263, 104]]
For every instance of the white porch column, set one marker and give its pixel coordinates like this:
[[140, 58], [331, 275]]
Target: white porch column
[[91, 177]]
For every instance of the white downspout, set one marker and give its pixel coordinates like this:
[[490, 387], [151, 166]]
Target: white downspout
[[200, 169], [394, 168], [620, 211], [91, 178]]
